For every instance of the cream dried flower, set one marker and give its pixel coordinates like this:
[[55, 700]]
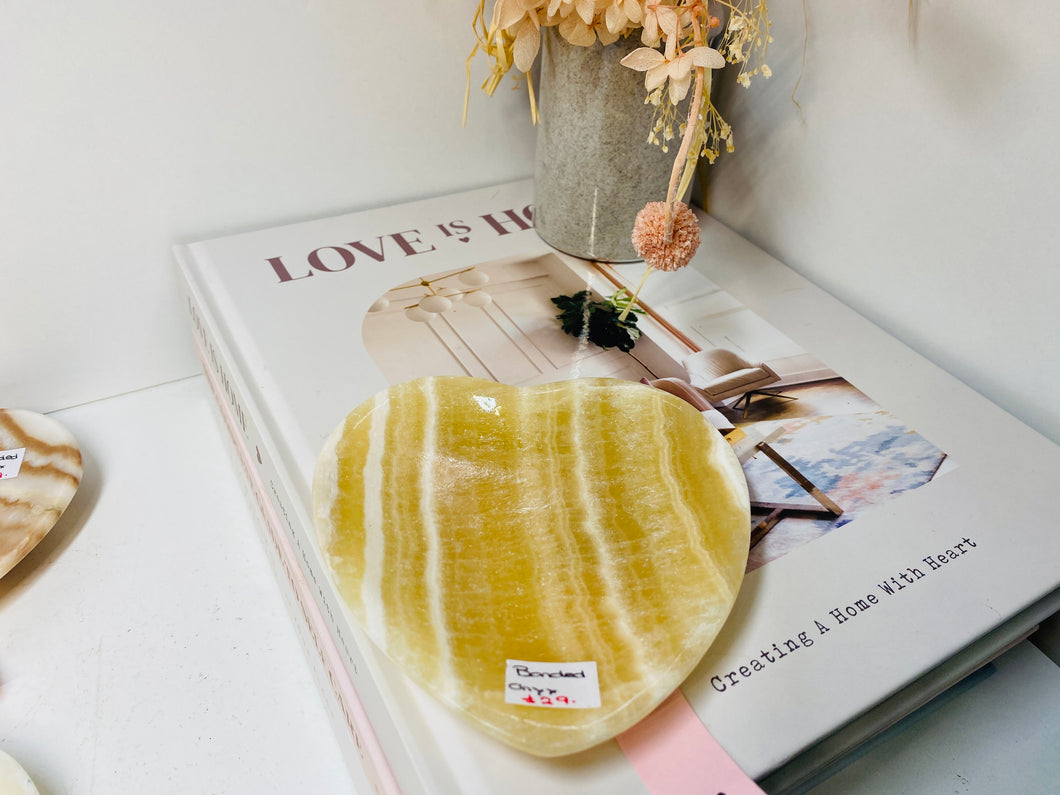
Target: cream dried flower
[[657, 67], [519, 18], [649, 236], [660, 20], [620, 14]]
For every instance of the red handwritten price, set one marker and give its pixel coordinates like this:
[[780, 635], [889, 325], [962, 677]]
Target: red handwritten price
[[549, 701]]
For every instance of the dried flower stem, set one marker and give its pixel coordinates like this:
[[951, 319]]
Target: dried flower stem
[[633, 299], [686, 140], [679, 163]]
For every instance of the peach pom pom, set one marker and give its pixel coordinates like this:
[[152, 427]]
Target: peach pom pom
[[649, 236]]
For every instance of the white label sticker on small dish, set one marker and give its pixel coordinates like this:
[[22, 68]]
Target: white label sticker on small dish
[[11, 462], [571, 685]]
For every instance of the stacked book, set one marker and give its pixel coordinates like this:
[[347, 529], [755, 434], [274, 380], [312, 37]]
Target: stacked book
[[902, 533]]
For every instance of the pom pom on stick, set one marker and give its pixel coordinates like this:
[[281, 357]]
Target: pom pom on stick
[[661, 248]]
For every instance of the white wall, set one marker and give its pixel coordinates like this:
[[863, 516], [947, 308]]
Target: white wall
[[129, 125], [918, 183]]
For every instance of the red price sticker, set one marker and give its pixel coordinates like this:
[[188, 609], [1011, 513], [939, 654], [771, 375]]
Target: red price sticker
[[552, 684], [11, 462]]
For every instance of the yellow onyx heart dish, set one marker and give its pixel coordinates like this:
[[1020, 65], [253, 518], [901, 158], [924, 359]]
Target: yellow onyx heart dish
[[549, 561]]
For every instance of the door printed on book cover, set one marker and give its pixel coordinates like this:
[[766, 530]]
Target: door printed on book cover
[[816, 451]]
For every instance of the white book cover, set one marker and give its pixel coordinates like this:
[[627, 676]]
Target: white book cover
[[902, 519]]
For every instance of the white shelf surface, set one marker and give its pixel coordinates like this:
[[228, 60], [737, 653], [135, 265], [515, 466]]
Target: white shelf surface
[[145, 646]]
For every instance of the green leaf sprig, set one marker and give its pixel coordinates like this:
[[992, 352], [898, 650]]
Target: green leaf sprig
[[610, 323]]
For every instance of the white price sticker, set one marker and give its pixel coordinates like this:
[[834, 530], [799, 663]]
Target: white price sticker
[[11, 462], [572, 685]]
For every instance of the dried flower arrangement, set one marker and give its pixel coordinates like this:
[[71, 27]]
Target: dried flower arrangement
[[683, 40]]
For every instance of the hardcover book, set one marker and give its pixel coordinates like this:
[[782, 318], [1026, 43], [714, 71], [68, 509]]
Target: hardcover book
[[898, 538]]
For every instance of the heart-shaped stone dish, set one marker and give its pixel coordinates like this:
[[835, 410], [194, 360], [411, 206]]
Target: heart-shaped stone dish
[[471, 525], [40, 470]]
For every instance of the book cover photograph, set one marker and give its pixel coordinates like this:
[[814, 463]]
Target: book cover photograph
[[533, 530], [815, 450]]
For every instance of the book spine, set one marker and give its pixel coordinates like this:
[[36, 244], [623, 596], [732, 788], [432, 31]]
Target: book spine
[[331, 668]]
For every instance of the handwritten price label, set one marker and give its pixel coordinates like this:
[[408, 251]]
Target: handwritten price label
[[11, 462], [552, 685]]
